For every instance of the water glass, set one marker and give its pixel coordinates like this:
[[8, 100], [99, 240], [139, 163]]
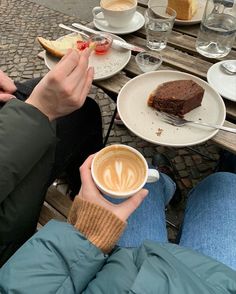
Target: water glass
[[218, 28], [159, 21], [148, 62]]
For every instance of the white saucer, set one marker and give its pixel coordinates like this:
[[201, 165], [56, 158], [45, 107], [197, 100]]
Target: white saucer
[[135, 24], [222, 82]]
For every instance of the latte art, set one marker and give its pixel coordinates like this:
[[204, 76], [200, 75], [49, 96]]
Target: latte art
[[120, 171], [120, 177]]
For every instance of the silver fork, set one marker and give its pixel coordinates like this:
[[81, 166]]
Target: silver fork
[[179, 122]]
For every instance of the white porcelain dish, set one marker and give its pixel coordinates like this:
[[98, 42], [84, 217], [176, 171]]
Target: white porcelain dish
[[222, 82], [143, 121], [135, 24], [105, 66]]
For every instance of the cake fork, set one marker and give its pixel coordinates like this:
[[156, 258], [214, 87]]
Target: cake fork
[[179, 122]]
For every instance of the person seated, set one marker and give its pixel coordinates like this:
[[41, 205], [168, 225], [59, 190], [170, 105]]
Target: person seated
[[48, 131], [81, 257]]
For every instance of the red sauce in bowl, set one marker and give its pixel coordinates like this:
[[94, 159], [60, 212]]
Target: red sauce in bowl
[[100, 43]]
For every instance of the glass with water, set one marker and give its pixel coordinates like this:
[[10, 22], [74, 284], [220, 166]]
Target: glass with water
[[218, 28], [159, 21]]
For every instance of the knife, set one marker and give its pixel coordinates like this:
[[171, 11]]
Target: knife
[[116, 42]]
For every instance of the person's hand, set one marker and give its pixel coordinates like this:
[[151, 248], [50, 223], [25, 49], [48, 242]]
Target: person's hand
[[89, 192], [7, 87], [65, 88]]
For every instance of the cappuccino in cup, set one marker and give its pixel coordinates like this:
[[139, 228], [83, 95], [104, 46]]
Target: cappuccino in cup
[[118, 5], [117, 13], [120, 171]]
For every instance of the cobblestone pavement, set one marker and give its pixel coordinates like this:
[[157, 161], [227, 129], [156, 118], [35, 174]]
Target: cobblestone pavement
[[23, 22]]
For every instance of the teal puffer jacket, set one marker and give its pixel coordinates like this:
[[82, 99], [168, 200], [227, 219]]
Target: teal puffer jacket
[[58, 259]]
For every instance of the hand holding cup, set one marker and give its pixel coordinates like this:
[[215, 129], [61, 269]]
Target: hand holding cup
[[89, 192], [120, 171]]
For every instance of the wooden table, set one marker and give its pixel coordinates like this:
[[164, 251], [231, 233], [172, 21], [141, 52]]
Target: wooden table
[[180, 54]]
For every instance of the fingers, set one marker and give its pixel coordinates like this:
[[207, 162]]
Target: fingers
[[79, 72], [6, 83], [67, 53], [68, 63], [85, 171], [6, 97], [86, 86], [130, 205]]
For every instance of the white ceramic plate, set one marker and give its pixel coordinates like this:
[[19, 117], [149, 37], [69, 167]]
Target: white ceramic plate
[[222, 82], [135, 24], [196, 18], [105, 66], [143, 121]]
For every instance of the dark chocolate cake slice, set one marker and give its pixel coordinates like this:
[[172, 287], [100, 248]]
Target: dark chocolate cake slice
[[176, 97]]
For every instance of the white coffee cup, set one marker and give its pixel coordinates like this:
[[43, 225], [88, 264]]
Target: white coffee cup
[[120, 171], [117, 13]]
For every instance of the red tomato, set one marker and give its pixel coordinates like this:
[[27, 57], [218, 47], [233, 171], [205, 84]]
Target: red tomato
[[81, 45]]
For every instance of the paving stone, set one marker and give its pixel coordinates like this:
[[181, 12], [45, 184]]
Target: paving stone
[[183, 173], [188, 161], [203, 167], [194, 173], [186, 182], [148, 151], [178, 159], [180, 166]]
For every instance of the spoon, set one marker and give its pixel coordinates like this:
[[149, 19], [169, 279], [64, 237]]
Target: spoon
[[72, 30], [229, 67]]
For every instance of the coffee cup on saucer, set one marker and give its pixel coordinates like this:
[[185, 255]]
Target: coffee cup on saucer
[[120, 171], [117, 13]]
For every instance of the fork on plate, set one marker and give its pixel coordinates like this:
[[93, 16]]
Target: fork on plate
[[180, 122]]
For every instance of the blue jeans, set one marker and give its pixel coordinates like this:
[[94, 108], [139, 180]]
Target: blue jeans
[[209, 224]]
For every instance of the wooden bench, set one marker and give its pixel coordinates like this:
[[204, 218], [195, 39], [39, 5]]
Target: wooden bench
[[55, 206]]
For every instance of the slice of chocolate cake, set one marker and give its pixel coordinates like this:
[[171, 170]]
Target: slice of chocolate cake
[[176, 97]]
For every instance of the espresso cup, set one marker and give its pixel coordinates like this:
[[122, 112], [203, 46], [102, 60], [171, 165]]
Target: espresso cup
[[117, 13], [120, 171]]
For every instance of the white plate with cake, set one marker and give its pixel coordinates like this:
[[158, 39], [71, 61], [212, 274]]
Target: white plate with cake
[[143, 120], [105, 66], [189, 12], [196, 17]]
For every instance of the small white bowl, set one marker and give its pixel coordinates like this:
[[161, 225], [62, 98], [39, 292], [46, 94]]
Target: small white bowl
[[148, 62]]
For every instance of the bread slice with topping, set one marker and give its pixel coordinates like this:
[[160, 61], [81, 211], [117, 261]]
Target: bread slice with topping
[[59, 47]]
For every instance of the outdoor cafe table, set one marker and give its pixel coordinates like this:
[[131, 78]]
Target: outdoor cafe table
[[181, 55]]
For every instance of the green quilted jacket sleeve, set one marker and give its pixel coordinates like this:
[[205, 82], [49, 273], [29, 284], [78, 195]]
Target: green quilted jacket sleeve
[[58, 259], [27, 147], [25, 135]]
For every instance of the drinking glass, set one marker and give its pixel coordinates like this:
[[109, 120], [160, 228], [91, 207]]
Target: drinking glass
[[159, 21], [148, 62], [218, 28]]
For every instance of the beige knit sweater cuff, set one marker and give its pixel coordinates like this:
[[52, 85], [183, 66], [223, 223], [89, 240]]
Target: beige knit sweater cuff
[[100, 226]]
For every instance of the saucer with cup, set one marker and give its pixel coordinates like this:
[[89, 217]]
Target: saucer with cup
[[118, 16], [120, 171]]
